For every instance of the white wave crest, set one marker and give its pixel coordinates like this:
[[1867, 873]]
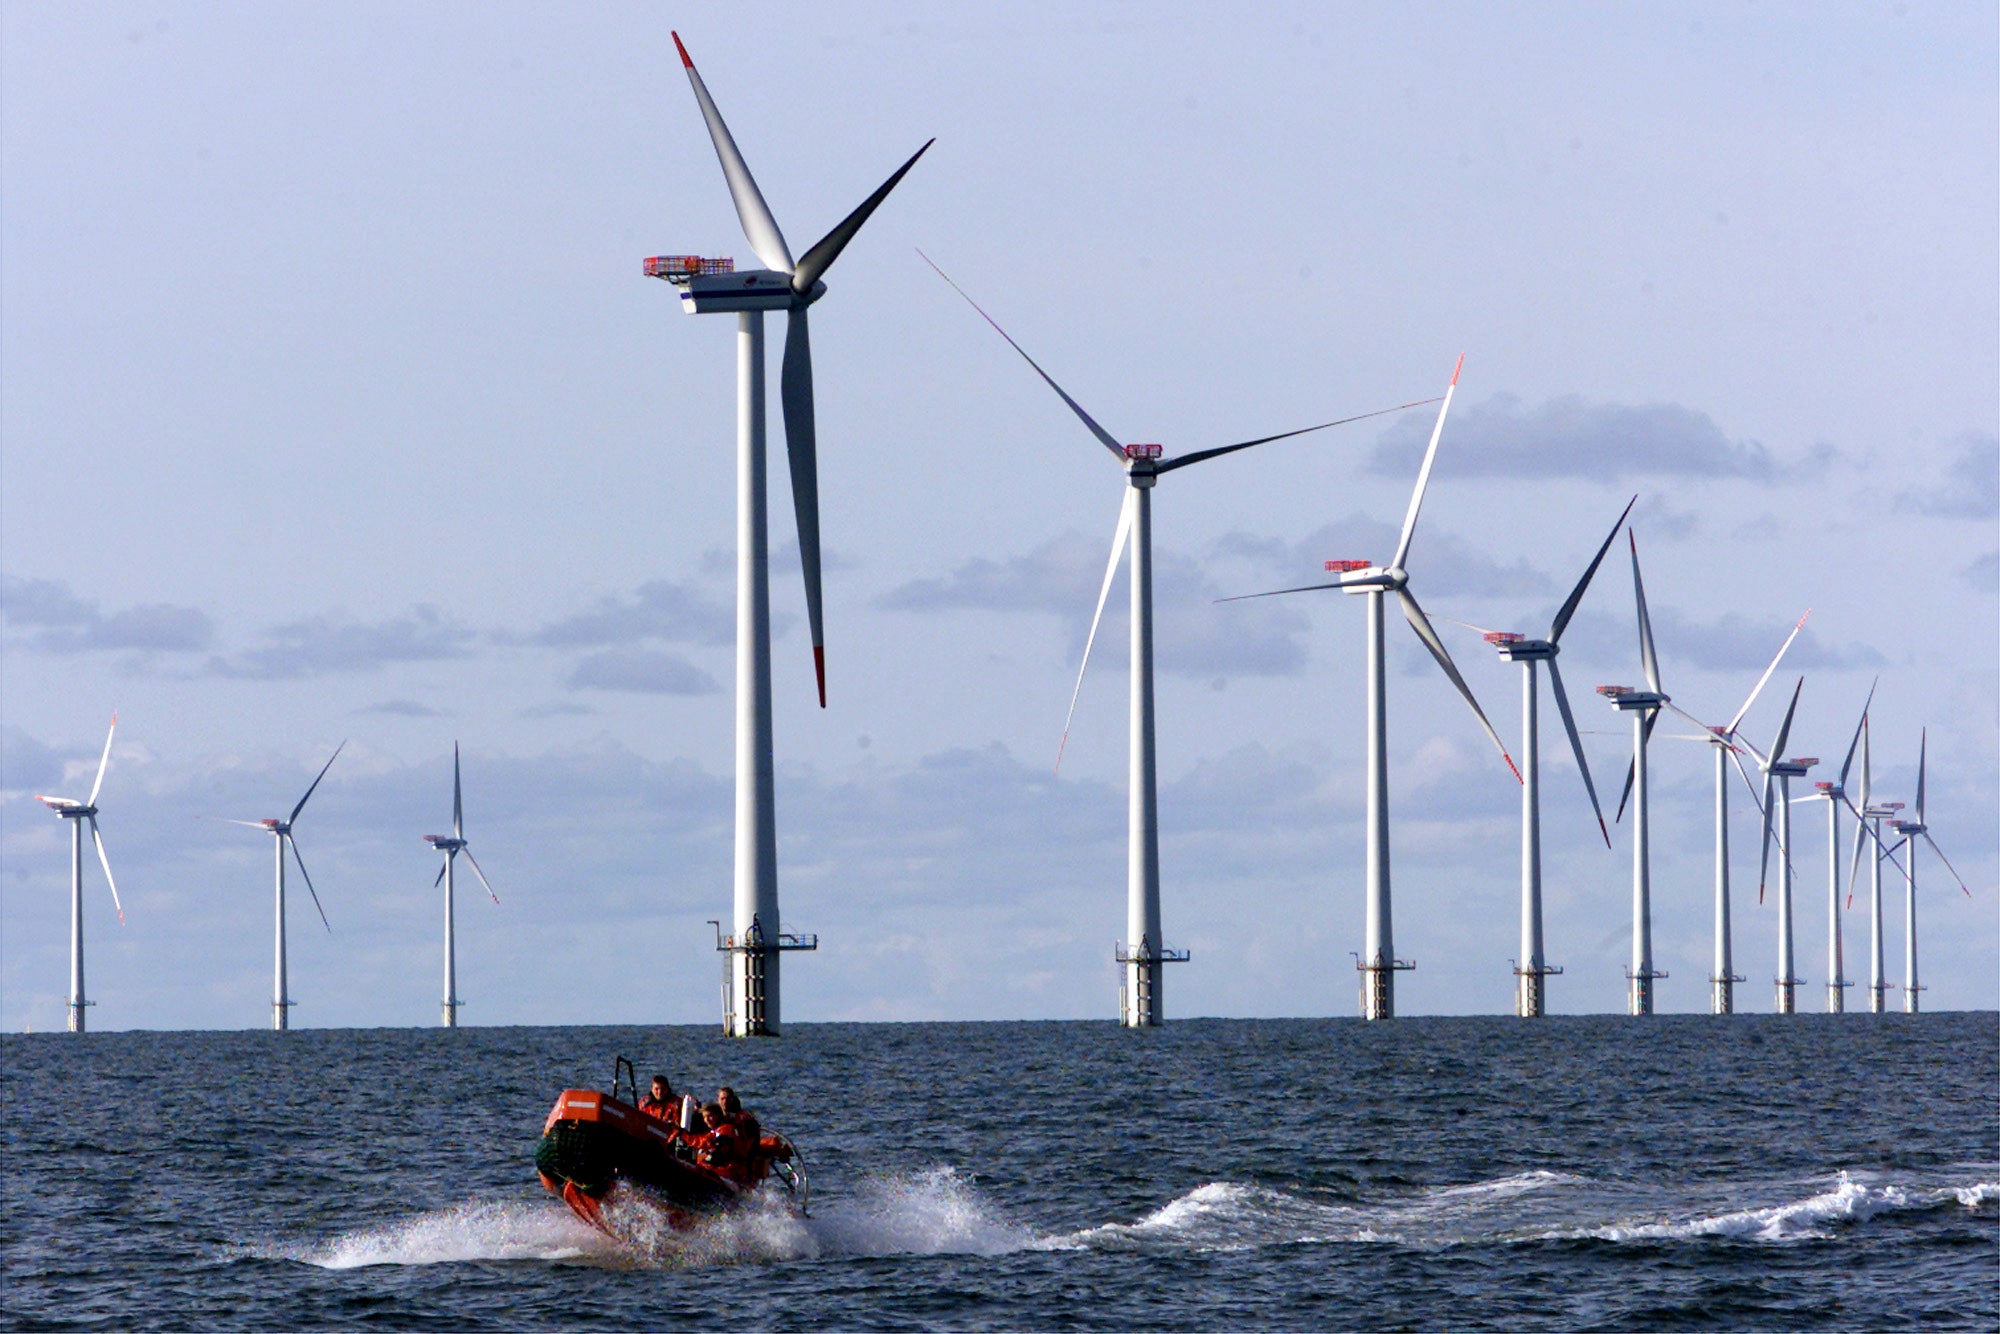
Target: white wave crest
[[473, 1231], [1848, 1201]]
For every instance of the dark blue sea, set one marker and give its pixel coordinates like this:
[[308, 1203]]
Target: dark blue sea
[[1684, 1172]]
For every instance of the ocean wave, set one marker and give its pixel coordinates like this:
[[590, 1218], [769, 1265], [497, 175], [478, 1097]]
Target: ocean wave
[[472, 1231], [1851, 1199]]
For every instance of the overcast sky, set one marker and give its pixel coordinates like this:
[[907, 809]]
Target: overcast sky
[[334, 406]]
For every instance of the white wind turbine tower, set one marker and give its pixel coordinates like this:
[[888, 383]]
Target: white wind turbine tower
[[77, 812], [1726, 742], [1141, 997], [1533, 965], [1912, 830], [1781, 772], [1869, 827], [1834, 794], [1644, 706], [451, 845], [1380, 965], [706, 286], [281, 838]]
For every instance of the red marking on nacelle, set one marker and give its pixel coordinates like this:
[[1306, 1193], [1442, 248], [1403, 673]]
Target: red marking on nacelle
[[1608, 691], [1825, 787], [1144, 451], [1807, 760], [1500, 637], [1346, 566]]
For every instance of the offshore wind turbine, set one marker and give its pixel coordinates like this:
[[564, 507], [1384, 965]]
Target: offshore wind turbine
[[708, 286], [1141, 998], [1726, 741], [1834, 794], [451, 845], [1778, 807], [1912, 830], [77, 812], [1380, 965], [281, 834], [1533, 966], [1644, 706], [1869, 826]]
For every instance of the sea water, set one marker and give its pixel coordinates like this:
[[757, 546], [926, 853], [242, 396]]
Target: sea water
[[1679, 1172]]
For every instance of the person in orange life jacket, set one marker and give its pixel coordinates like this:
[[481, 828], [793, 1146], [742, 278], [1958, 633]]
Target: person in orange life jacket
[[722, 1148], [661, 1102], [734, 1113]]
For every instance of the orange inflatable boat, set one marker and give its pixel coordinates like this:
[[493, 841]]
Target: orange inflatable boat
[[597, 1146]]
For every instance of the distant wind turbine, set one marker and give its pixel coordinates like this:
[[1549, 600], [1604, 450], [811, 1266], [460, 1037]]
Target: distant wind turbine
[[1142, 1001], [1380, 965], [1868, 827], [1644, 706], [708, 286], [1912, 830], [1779, 773], [281, 833], [1533, 965], [1726, 741], [451, 845], [77, 812], [1834, 794]]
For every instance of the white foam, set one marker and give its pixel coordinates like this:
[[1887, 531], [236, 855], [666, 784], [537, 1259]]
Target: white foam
[[473, 1231], [1850, 1200]]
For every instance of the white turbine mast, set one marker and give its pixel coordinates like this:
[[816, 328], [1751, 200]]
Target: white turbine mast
[[281, 834], [1644, 706], [1869, 828], [1142, 962], [1379, 965], [78, 813], [1728, 744], [1533, 966], [1912, 830], [1834, 794], [753, 948], [1778, 774], [451, 845]]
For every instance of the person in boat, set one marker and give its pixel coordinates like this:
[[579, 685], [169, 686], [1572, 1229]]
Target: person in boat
[[760, 1148], [661, 1102], [721, 1148], [737, 1115]]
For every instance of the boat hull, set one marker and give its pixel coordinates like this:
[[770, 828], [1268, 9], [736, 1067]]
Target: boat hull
[[594, 1146]]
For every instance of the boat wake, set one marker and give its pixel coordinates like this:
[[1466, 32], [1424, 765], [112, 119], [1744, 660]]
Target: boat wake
[[938, 1212]]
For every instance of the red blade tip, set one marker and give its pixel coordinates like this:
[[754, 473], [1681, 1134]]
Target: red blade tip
[[819, 669], [683, 50], [1456, 369]]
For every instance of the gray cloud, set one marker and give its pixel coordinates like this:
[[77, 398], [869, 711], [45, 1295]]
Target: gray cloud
[[320, 646], [49, 617], [647, 671], [1732, 643], [1971, 487], [1572, 437], [402, 708], [1983, 573], [658, 609], [1055, 577], [1440, 564], [26, 764]]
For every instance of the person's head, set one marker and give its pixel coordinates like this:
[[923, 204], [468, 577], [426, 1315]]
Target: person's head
[[662, 1090], [711, 1114], [725, 1098]]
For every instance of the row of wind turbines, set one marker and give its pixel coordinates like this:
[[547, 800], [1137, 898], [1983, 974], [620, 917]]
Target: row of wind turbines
[[755, 945], [78, 813]]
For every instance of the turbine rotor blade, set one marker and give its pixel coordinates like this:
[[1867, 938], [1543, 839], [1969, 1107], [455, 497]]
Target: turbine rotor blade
[[102, 761], [1861, 832], [1561, 622], [1424, 477], [442, 866], [97, 839], [759, 227], [1632, 767], [1647, 657], [1860, 723], [1785, 728], [1576, 743], [819, 259], [1777, 754], [315, 783], [1419, 622], [1201, 454], [1103, 436], [801, 448], [1759, 687], [1947, 863], [1110, 572], [1923, 749], [482, 877], [309, 881], [457, 797]]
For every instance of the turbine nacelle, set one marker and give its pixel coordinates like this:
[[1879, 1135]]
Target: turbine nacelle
[[1792, 768], [68, 808], [1519, 648], [444, 842], [1883, 811], [1629, 699], [752, 289]]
